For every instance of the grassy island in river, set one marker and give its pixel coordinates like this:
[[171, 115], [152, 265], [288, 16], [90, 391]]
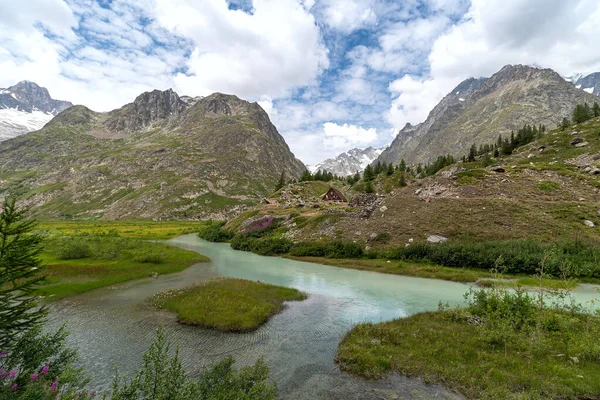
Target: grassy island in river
[[231, 305]]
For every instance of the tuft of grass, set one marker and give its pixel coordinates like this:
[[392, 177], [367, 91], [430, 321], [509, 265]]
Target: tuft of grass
[[229, 305], [548, 186]]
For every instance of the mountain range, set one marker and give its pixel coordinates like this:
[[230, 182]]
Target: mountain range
[[26, 107], [348, 163], [161, 156]]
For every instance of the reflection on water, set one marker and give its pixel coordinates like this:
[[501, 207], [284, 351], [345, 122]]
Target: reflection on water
[[113, 326]]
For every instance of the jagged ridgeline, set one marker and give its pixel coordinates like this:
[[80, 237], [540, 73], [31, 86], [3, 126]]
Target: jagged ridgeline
[[479, 110], [159, 157]]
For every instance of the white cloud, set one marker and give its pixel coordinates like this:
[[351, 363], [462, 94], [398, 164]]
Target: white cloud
[[340, 137], [269, 52], [349, 15], [550, 33]]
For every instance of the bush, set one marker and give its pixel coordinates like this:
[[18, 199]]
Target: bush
[[573, 259], [214, 232], [264, 247], [162, 377], [336, 249], [73, 249], [148, 257]]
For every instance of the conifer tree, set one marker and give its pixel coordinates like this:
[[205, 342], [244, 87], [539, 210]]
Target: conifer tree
[[281, 182], [390, 169], [369, 187], [402, 165], [472, 153], [565, 123], [596, 109], [356, 177], [369, 174], [20, 270], [402, 180]]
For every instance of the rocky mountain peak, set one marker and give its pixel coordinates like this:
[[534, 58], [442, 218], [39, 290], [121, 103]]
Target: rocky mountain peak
[[26, 107], [147, 108], [589, 83], [28, 97], [478, 110], [348, 163]]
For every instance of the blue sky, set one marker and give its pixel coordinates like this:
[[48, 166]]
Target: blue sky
[[332, 74]]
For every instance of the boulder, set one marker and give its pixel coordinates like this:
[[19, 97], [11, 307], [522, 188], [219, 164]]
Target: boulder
[[498, 170], [582, 144], [589, 223], [435, 239], [576, 141]]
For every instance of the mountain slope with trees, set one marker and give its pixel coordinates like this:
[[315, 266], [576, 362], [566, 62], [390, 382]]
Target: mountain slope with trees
[[477, 111]]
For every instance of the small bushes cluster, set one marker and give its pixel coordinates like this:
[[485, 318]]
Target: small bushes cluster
[[335, 249], [73, 249], [571, 259], [104, 248], [276, 246], [214, 232], [264, 247]]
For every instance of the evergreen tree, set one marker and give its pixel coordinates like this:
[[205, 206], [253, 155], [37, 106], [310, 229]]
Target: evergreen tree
[[581, 113], [390, 169], [369, 187], [356, 177], [369, 174], [596, 110], [20, 270], [402, 180], [496, 153], [589, 114], [506, 148], [281, 182], [403, 165], [565, 123], [378, 168], [499, 142], [472, 153], [306, 176]]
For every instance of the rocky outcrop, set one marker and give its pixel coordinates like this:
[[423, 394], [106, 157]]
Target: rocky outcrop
[[478, 110]]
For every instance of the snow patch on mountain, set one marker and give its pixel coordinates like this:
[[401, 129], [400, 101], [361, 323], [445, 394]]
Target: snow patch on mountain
[[14, 122], [348, 163]]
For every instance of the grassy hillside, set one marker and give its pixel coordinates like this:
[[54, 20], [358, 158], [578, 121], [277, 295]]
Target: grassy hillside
[[548, 190]]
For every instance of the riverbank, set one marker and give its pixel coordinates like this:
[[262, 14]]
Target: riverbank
[[227, 305], [499, 346], [79, 264]]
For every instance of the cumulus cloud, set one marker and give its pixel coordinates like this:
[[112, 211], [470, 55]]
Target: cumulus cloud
[[349, 15], [268, 52]]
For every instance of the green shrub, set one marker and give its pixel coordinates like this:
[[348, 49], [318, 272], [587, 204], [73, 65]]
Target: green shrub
[[73, 249], [214, 232], [523, 256], [264, 247], [382, 237], [148, 257], [336, 249]]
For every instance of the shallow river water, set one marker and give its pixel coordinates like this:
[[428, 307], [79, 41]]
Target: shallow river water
[[114, 326]]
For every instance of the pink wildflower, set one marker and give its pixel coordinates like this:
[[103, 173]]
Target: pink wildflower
[[45, 369], [12, 374], [34, 376], [14, 387], [54, 386]]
